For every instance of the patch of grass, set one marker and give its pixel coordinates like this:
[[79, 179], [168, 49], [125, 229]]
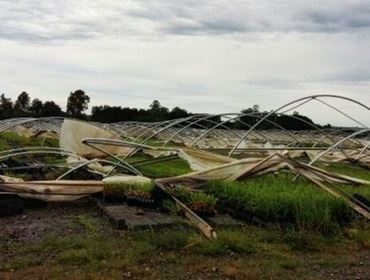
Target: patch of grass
[[198, 202], [172, 239], [353, 171], [24, 261], [362, 190], [302, 240], [89, 250], [228, 242], [289, 264], [278, 250], [171, 168], [87, 222], [10, 139], [278, 199], [361, 236], [347, 169], [75, 257], [120, 190]]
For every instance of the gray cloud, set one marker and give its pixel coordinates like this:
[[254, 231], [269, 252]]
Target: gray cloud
[[207, 56], [45, 21], [354, 75], [336, 18]]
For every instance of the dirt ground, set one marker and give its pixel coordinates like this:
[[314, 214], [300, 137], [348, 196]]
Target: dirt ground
[[30, 228]]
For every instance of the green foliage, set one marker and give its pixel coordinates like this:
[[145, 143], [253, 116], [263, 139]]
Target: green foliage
[[9, 140], [302, 240], [361, 235], [77, 103], [87, 222], [6, 107], [97, 250], [276, 199], [75, 256], [348, 169], [120, 190], [228, 242], [199, 202], [156, 112], [172, 239], [161, 169]]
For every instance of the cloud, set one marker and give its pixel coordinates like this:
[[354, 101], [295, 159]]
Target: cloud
[[348, 16], [351, 75], [46, 21], [207, 56]]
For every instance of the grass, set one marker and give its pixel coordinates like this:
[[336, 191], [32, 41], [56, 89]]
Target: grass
[[171, 168], [277, 199], [167, 240], [348, 169], [353, 171], [93, 247], [119, 191], [11, 140], [229, 242], [198, 202], [173, 251], [87, 223], [237, 242]]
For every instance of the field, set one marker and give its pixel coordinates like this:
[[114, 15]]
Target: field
[[291, 229]]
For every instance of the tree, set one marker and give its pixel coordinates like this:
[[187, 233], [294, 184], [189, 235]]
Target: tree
[[50, 109], [177, 112], [22, 104], [36, 108], [155, 106], [77, 102], [250, 118], [6, 107], [157, 112]]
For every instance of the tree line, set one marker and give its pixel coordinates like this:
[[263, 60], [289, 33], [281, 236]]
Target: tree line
[[78, 101]]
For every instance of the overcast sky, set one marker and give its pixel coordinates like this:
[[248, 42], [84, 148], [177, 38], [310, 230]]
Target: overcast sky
[[206, 56]]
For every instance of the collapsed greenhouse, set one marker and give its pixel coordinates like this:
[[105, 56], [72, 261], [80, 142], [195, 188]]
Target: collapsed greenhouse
[[197, 167]]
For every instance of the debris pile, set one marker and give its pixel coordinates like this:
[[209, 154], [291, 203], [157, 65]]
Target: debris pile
[[109, 160]]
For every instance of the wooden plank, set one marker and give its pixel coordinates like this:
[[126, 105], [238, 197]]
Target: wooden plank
[[201, 224]]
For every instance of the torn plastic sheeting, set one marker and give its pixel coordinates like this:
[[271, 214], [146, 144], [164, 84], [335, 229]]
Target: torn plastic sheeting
[[283, 151], [220, 172], [53, 198], [333, 157], [201, 160], [95, 166], [157, 153], [7, 179], [247, 168], [49, 187], [51, 190], [63, 190], [73, 132]]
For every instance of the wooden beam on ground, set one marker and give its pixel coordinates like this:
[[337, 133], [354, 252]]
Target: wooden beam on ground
[[203, 226]]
